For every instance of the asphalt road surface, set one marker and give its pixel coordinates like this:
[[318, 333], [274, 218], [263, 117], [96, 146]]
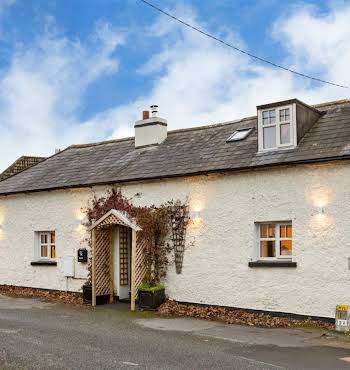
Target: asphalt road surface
[[39, 335]]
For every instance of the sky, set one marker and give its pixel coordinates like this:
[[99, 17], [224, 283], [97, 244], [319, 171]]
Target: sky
[[79, 71]]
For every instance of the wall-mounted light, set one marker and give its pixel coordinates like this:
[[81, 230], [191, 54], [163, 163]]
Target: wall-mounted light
[[319, 212], [80, 229], [320, 219], [79, 214], [196, 217]]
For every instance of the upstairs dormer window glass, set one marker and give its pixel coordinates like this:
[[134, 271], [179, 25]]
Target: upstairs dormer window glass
[[285, 126], [269, 128], [276, 128], [269, 117]]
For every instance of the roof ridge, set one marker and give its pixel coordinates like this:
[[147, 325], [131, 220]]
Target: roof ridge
[[206, 126], [195, 128], [31, 156], [101, 142], [203, 126], [333, 102]]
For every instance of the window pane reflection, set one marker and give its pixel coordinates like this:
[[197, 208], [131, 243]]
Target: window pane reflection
[[286, 247], [267, 248]]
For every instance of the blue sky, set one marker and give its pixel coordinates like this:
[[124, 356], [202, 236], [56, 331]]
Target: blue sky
[[75, 71]]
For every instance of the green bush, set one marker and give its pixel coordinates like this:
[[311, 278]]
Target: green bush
[[145, 287]]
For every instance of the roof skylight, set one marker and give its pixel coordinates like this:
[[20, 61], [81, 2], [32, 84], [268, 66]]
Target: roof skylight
[[240, 134]]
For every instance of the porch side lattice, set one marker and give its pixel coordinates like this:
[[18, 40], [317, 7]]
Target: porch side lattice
[[140, 261], [102, 268]]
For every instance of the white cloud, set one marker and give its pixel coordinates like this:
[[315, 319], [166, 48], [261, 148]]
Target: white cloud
[[195, 80], [198, 81], [318, 44], [42, 90]]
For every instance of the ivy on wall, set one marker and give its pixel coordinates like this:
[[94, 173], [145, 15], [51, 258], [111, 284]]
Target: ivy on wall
[[163, 227]]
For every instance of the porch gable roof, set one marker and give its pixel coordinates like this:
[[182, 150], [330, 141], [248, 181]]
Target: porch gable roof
[[114, 217]]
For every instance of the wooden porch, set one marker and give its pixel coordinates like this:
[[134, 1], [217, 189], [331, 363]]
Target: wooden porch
[[102, 267]]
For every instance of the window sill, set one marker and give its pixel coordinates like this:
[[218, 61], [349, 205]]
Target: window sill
[[43, 263], [272, 264]]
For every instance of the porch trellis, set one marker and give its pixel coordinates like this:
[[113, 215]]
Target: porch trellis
[[102, 256]]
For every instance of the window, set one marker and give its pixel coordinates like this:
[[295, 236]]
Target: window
[[285, 126], [47, 245], [276, 127], [240, 134], [275, 240]]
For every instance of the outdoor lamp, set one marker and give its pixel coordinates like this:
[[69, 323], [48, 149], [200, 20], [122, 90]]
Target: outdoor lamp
[[196, 217]]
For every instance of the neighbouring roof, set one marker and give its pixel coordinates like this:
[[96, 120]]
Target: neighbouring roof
[[20, 165], [185, 152]]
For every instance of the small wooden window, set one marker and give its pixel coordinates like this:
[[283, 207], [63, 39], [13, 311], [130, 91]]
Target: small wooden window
[[47, 245], [275, 240]]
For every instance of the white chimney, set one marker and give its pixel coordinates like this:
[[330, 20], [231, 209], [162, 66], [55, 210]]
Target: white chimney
[[150, 130]]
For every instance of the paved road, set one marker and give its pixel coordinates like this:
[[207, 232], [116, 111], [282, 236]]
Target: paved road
[[38, 335]]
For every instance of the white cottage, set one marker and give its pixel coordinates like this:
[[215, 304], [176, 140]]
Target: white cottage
[[269, 193]]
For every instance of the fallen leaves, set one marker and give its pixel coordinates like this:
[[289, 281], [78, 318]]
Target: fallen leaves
[[48, 295], [237, 316]]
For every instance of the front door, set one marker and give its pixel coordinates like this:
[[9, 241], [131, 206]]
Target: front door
[[122, 261]]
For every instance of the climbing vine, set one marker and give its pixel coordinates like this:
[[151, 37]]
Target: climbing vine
[[163, 228]]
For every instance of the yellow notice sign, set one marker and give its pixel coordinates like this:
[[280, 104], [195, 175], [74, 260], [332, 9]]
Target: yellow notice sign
[[342, 307]]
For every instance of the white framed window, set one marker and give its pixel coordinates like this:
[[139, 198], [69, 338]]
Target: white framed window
[[275, 240], [46, 245], [276, 127]]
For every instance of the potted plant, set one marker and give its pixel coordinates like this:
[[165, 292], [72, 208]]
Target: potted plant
[[151, 297], [87, 290], [155, 229], [87, 296]]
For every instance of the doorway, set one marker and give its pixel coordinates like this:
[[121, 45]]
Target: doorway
[[122, 262]]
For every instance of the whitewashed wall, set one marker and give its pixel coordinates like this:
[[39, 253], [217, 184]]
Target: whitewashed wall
[[215, 269]]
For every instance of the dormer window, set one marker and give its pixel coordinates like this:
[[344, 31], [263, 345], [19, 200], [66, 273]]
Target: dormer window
[[277, 128]]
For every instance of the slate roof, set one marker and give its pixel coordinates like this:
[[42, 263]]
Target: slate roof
[[185, 152], [20, 165]]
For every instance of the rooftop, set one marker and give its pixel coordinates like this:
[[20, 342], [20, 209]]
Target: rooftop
[[20, 165], [185, 152]]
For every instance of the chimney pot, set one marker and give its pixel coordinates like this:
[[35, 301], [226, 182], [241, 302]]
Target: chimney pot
[[145, 114]]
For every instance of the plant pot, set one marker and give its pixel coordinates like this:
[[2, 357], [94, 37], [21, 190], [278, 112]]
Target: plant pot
[[151, 300], [87, 296]]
